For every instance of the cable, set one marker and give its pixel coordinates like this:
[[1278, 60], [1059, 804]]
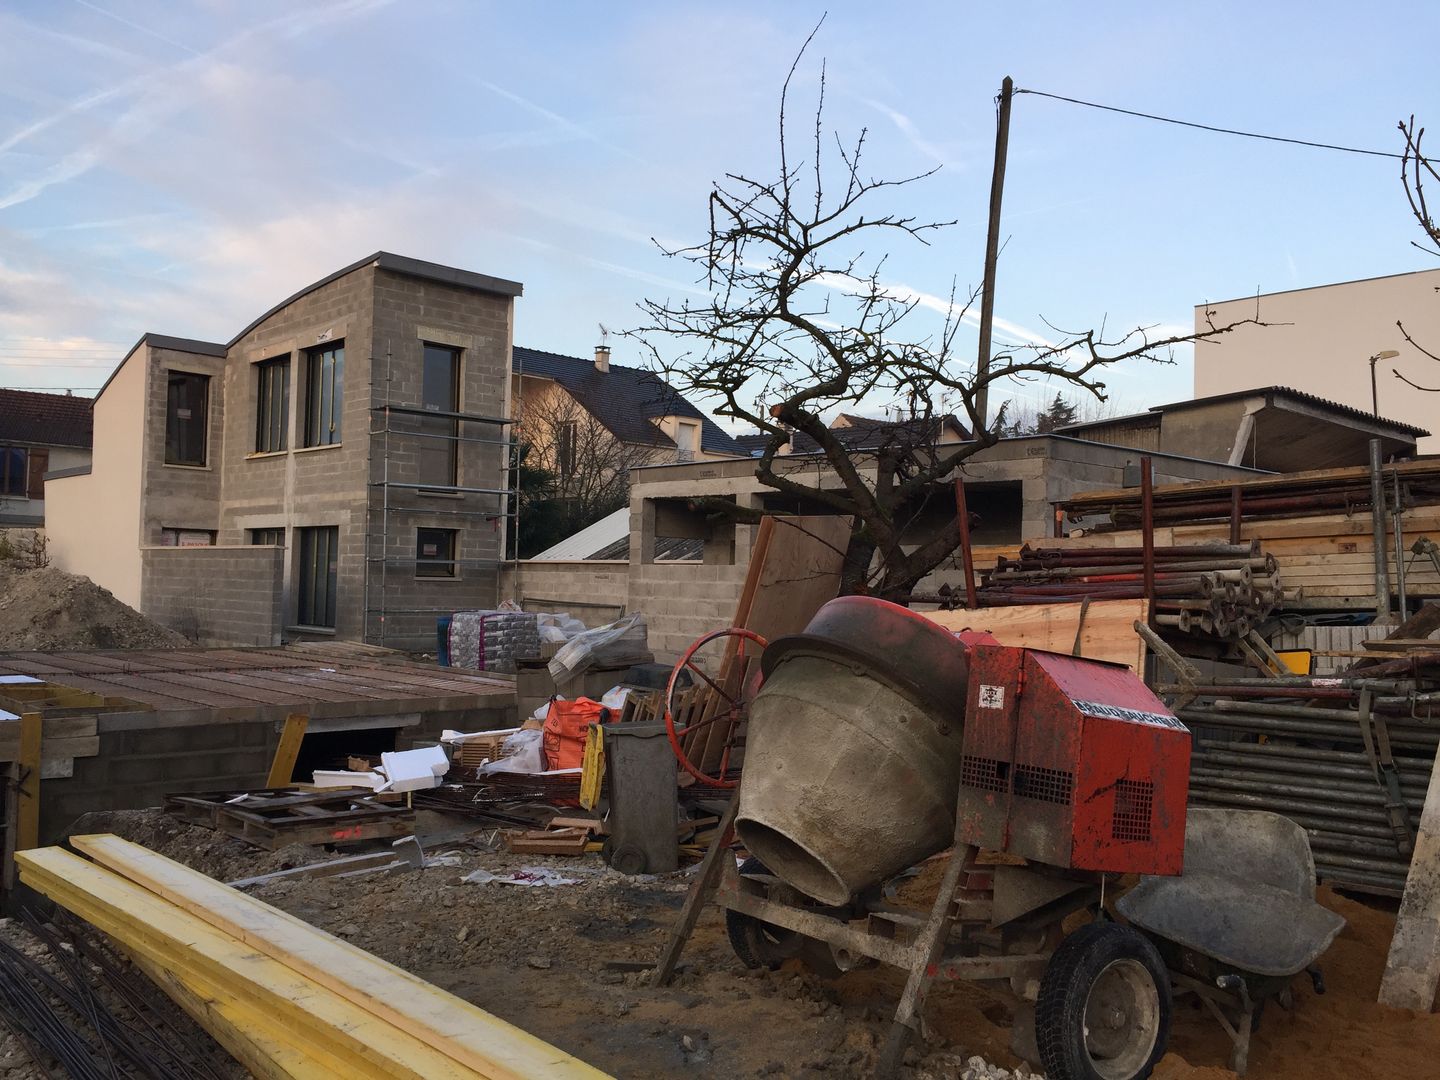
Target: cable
[[1211, 127]]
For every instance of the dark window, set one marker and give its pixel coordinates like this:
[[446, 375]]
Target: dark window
[[435, 553], [187, 410], [317, 575], [272, 405], [565, 439], [14, 468], [324, 394], [440, 393], [187, 537], [267, 537]]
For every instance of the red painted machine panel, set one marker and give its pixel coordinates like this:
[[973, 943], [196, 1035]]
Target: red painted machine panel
[[1072, 762]]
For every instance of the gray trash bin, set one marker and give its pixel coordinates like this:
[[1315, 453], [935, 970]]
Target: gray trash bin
[[641, 770]]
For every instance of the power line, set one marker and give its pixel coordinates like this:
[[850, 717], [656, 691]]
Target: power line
[[1211, 127]]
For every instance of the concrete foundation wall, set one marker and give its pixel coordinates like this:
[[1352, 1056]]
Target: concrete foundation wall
[[216, 595], [592, 591]]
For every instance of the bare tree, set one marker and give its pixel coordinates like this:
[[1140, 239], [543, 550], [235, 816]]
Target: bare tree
[[1416, 170], [801, 321], [589, 466]]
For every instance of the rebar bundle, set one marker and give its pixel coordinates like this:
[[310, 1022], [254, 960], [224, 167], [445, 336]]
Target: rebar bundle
[[1222, 590]]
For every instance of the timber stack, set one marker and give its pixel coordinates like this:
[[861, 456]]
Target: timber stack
[[1217, 589]]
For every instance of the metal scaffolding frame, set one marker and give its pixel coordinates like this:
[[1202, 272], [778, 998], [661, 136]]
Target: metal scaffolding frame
[[386, 558]]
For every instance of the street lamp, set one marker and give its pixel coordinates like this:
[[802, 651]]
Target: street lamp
[[1383, 354]]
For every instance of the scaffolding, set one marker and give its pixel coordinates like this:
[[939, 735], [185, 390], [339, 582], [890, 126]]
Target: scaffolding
[[382, 429]]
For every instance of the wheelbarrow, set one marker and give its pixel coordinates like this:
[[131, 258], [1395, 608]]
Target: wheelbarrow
[[1241, 921]]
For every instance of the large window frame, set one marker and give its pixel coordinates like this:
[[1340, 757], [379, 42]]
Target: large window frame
[[324, 393], [14, 472], [435, 553], [440, 393], [272, 405], [316, 577], [187, 419]]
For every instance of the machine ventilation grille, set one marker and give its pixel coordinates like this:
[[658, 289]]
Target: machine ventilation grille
[[1133, 800], [986, 774], [1044, 785]]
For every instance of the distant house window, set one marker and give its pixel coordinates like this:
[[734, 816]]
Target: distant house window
[[324, 394], [187, 415], [565, 446], [318, 554], [440, 393], [14, 470], [267, 537], [272, 405], [435, 553]]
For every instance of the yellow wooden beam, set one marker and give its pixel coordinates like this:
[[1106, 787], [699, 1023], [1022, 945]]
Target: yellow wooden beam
[[248, 1042], [27, 808], [294, 1008], [282, 768], [470, 1035]]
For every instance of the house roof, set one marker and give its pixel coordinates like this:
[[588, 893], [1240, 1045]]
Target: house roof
[[860, 433], [401, 264], [609, 539], [626, 400], [44, 419], [1270, 392]]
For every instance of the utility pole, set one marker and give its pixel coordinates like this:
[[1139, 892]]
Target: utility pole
[[992, 247]]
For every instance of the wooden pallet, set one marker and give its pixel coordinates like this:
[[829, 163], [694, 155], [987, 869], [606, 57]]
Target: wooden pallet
[[273, 818]]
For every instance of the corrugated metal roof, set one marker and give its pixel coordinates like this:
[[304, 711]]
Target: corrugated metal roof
[[589, 540]]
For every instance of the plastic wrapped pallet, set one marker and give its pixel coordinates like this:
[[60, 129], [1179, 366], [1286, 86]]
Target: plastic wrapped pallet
[[493, 640]]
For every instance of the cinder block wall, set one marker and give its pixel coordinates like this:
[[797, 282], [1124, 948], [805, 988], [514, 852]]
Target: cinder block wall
[[215, 595], [684, 600], [593, 591]]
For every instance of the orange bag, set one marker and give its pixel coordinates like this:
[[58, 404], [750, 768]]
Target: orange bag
[[565, 724]]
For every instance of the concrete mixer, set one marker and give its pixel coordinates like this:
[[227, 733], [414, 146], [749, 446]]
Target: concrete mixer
[[879, 739]]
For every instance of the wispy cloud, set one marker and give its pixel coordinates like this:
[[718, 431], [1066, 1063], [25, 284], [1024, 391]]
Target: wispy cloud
[[907, 128], [562, 123], [146, 30]]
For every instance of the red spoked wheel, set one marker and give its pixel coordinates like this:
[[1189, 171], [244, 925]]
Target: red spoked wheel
[[728, 704]]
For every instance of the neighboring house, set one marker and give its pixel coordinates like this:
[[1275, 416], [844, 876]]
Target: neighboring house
[[1322, 339], [337, 468], [868, 433], [39, 433], [1274, 428]]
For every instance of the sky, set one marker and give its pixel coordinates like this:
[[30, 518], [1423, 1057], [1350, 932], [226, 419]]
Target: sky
[[179, 167]]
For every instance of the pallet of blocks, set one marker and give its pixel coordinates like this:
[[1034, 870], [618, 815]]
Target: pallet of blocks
[[284, 998]]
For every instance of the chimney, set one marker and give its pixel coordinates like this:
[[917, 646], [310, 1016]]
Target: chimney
[[602, 357]]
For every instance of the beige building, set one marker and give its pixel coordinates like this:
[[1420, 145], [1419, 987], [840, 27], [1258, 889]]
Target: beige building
[[336, 469], [1320, 341], [39, 434]]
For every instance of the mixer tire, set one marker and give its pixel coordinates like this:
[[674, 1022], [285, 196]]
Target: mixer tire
[[1104, 1006], [759, 944]]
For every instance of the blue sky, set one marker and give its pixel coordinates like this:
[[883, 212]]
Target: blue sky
[[179, 167]]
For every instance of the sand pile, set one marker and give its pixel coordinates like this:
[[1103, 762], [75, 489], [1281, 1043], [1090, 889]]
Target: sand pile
[[50, 609]]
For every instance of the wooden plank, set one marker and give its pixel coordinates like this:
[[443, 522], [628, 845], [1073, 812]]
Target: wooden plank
[[27, 809], [250, 1042], [1108, 632], [1412, 969], [282, 768], [299, 1007], [472, 1036]]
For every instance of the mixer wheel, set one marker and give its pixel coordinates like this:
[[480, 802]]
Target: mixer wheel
[[1104, 1006], [759, 944]]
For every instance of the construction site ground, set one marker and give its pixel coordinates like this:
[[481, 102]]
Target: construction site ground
[[538, 957]]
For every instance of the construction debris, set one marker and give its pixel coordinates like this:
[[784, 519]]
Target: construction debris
[[275, 818], [46, 608]]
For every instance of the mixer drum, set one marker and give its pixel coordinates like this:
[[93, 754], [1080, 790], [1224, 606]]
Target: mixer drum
[[852, 756]]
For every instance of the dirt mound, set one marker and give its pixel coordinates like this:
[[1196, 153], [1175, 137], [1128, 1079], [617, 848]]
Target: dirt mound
[[50, 609]]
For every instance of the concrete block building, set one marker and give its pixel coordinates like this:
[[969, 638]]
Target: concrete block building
[[336, 469]]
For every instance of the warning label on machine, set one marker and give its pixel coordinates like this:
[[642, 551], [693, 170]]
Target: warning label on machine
[[992, 697], [1134, 716]]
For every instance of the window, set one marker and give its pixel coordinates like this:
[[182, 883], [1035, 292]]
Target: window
[[565, 439], [272, 405], [14, 471], [435, 553], [440, 393], [187, 415], [317, 575], [324, 394], [687, 440], [187, 537], [267, 537]]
